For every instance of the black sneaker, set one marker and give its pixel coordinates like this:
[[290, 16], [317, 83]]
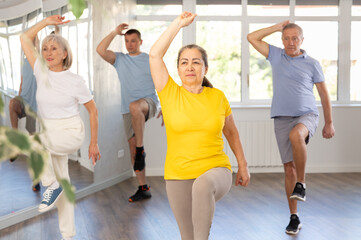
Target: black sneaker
[[36, 188], [142, 193], [294, 226], [139, 162], [299, 193]]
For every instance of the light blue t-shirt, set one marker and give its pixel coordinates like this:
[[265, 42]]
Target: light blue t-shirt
[[28, 87], [293, 81], [135, 79]]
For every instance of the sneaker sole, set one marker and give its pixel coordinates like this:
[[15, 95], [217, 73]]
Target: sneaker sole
[[294, 233], [51, 205], [298, 198], [130, 200]]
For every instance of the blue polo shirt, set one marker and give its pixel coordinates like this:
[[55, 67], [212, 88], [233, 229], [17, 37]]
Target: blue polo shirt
[[293, 81], [135, 79]]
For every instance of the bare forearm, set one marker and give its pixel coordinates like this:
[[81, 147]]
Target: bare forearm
[[31, 33], [236, 147], [262, 33], [104, 44], [94, 127], [161, 46], [327, 109]]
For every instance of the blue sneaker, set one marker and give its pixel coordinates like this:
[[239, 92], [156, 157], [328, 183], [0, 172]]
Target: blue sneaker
[[51, 195]]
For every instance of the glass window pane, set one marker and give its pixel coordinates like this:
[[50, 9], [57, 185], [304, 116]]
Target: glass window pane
[[83, 51], [222, 41], [356, 8], [326, 52], [355, 84], [151, 30], [260, 72], [15, 28], [74, 48], [15, 51], [219, 10], [314, 8], [255, 8], [158, 9], [4, 62]]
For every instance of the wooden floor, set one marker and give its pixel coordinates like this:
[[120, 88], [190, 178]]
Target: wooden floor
[[15, 185], [258, 212]]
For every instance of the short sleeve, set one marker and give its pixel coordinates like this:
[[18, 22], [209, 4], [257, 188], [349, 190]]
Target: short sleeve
[[82, 93], [318, 73], [227, 106]]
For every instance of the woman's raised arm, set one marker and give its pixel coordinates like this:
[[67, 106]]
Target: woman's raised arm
[[27, 38], [157, 66]]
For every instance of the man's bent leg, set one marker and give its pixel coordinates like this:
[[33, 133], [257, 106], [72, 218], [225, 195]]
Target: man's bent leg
[[298, 137], [143, 191], [290, 182], [138, 110], [15, 112], [139, 174]]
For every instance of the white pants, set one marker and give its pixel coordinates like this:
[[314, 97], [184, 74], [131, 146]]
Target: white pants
[[61, 137]]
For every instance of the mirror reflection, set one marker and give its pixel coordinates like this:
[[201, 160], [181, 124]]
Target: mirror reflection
[[16, 189]]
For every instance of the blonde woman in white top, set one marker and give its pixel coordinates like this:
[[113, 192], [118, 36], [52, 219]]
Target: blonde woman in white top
[[58, 97]]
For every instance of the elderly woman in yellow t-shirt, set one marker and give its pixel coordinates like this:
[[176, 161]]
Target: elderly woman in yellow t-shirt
[[197, 171]]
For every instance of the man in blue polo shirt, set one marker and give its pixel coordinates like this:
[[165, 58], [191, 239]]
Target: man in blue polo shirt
[[294, 107], [139, 101]]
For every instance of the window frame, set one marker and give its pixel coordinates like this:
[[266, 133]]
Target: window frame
[[343, 19]]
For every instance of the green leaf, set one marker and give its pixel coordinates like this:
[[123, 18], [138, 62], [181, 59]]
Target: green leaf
[[77, 7], [68, 189], [36, 164], [37, 138], [18, 139]]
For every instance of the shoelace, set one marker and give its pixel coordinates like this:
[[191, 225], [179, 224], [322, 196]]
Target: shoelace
[[47, 194]]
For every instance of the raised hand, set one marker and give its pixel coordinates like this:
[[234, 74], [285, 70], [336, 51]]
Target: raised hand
[[186, 18], [120, 28], [281, 25], [55, 20]]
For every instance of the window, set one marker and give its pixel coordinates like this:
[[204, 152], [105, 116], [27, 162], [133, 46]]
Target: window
[[268, 8], [222, 41], [321, 43], [260, 73], [316, 8], [355, 83], [150, 33]]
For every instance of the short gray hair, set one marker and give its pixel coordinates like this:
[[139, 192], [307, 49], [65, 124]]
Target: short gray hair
[[293, 25]]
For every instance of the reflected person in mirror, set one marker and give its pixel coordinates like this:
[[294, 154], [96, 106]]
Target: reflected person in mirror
[[58, 96]]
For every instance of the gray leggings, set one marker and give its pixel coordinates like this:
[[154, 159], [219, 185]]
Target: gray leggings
[[193, 201]]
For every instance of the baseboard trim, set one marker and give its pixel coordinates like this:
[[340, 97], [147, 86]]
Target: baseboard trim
[[30, 212]]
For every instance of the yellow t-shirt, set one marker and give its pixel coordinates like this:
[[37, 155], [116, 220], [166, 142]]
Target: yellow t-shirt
[[194, 124]]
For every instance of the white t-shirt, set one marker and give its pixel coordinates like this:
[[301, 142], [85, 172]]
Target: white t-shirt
[[59, 93]]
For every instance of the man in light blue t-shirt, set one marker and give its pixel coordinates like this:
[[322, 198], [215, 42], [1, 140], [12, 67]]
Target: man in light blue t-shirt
[[294, 107], [139, 100]]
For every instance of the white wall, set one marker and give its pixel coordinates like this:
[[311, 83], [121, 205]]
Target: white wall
[[107, 15], [339, 154]]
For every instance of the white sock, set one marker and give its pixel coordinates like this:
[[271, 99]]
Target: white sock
[[54, 184], [304, 185], [295, 214]]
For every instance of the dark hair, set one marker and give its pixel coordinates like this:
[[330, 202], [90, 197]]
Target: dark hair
[[132, 31], [293, 25], [206, 82]]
